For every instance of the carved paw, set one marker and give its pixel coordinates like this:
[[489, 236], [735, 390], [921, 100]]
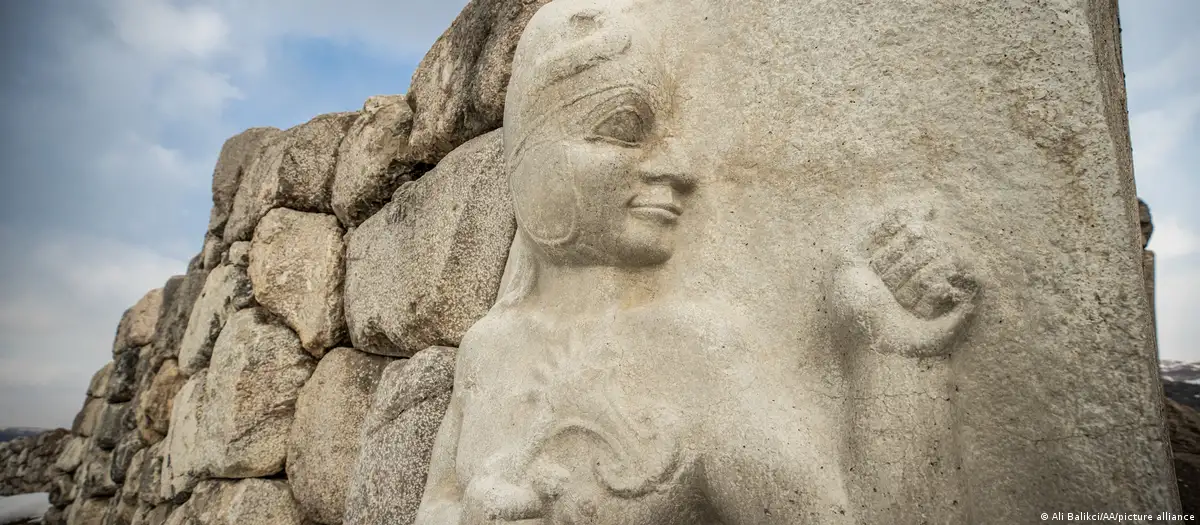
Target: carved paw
[[905, 291]]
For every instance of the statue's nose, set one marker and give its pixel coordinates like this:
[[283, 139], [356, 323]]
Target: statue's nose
[[668, 165]]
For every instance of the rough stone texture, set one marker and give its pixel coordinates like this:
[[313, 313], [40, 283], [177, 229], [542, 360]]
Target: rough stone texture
[[179, 296], [152, 515], [297, 263], [115, 420], [397, 438], [324, 442], [26, 463], [150, 480], [181, 465], [213, 251], [139, 323], [62, 490], [119, 512], [72, 454], [122, 381], [373, 159], [1184, 425], [236, 156], [123, 456], [154, 406], [256, 373], [294, 170], [226, 290], [88, 417], [93, 478], [454, 226], [98, 387], [245, 502], [238, 254], [458, 90], [89, 511]]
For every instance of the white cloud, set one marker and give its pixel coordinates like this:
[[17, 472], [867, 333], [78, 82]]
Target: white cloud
[[161, 30], [1158, 135], [1172, 239], [1177, 309]]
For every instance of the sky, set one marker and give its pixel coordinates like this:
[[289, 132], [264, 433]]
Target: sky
[[113, 113]]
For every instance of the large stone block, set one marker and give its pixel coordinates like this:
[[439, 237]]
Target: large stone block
[[179, 296], [93, 478], [181, 465], [87, 511], [454, 226], [149, 482], [324, 442], [226, 290], [88, 417], [297, 264], [122, 381], [116, 419], [457, 91], [98, 386], [294, 170], [139, 323], [123, 456], [245, 502], [72, 454], [255, 375], [155, 403], [397, 438], [236, 156], [373, 159]]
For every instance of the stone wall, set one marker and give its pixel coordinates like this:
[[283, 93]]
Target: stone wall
[[25, 462], [306, 357], [298, 371]]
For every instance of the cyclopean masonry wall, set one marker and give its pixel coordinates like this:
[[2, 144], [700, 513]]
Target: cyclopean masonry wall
[[300, 371]]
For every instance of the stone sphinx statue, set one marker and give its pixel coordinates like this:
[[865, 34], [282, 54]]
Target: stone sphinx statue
[[705, 318]]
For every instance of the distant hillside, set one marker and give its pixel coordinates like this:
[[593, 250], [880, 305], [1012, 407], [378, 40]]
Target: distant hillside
[[1181, 382], [11, 433]]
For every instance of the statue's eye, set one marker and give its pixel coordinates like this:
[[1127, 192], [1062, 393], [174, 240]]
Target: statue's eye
[[624, 125]]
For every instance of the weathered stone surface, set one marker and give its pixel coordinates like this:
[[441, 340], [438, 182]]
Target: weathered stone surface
[[238, 254], [156, 515], [458, 90], [245, 502], [149, 484], [154, 406], [119, 512], [454, 226], [1146, 222], [213, 251], [88, 417], [122, 458], [98, 387], [297, 264], [115, 421], [373, 159], [93, 478], [397, 438], [63, 491], [132, 480], [122, 380], [87, 511], [324, 440], [182, 456], [27, 463], [72, 454], [138, 324], [294, 170], [55, 516], [179, 296], [256, 373], [236, 155], [226, 290]]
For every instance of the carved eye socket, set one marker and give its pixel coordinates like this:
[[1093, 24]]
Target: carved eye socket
[[624, 125]]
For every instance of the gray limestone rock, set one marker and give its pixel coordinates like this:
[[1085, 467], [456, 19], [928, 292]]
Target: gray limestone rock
[[238, 254], [149, 482], [297, 264], [324, 442], [457, 92], [116, 419], [181, 464], [226, 290], [122, 381], [154, 405], [256, 373], [98, 387], [179, 296], [213, 251], [93, 477], [454, 226], [88, 417], [294, 170], [397, 438], [245, 502], [373, 159], [72, 454], [139, 323], [123, 456], [87, 511], [236, 155]]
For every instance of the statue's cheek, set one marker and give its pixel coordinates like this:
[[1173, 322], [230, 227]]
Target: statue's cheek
[[544, 196]]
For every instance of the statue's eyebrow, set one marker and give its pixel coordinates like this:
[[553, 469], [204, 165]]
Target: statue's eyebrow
[[581, 55]]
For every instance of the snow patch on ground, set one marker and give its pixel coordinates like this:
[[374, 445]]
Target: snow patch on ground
[[23, 507]]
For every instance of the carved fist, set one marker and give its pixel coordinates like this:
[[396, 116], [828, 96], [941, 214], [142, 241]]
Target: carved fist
[[909, 295]]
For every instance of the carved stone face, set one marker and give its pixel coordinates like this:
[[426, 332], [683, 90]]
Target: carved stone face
[[596, 177]]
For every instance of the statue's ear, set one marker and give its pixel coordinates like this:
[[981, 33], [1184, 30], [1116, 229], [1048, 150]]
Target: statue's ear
[[544, 193]]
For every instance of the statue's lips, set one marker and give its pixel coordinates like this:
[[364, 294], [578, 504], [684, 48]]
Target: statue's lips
[[667, 212]]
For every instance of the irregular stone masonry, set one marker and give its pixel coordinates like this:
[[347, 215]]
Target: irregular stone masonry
[[25, 462]]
